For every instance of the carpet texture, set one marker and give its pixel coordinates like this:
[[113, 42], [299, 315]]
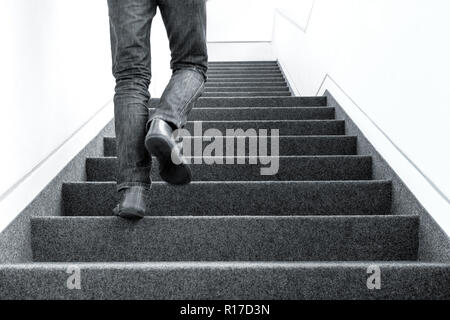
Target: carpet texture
[[312, 230]]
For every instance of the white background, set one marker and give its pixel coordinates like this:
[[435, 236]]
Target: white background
[[55, 75], [392, 58]]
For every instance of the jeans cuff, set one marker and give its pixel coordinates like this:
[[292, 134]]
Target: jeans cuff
[[202, 71], [171, 120]]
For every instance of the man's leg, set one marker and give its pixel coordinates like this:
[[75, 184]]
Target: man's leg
[[130, 23], [185, 22]]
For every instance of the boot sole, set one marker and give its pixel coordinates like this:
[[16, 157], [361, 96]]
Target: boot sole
[[128, 213], [175, 174]]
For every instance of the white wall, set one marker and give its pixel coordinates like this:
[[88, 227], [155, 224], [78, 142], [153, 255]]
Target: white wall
[[55, 62], [240, 51], [55, 76], [390, 59], [240, 30], [240, 20]]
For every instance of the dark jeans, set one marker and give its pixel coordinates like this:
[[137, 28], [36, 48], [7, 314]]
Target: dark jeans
[[130, 23]]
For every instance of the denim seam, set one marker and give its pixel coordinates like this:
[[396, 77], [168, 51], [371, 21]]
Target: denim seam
[[176, 121], [193, 97], [191, 75]]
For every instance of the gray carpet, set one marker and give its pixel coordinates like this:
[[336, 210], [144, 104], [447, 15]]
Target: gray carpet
[[312, 231], [300, 168], [248, 238]]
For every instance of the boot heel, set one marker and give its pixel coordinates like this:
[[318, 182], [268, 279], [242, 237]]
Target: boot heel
[[160, 143]]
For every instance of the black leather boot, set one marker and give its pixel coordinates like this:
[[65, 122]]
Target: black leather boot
[[133, 203], [173, 167]]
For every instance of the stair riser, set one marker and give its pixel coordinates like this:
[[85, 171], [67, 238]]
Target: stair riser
[[256, 102], [247, 89], [247, 94], [298, 169], [229, 114], [244, 72], [300, 127], [275, 77], [237, 80], [281, 198], [243, 76], [309, 281], [242, 63], [249, 69], [310, 127], [218, 85], [214, 77], [225, 239], [288, 146]]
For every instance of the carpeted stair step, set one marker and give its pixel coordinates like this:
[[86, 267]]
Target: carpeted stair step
[[226, 280], [262, 113], [337, 238], [217, 77], [242, 63], [236, 81], [276, 85], [239, 198], [245, 71], [213, 76], [288, 145], [246, 80], [244, 66], [316, 229], [246, 89], [246, 94], [248, 69], [290, 168], [286, 127], [255, 102]]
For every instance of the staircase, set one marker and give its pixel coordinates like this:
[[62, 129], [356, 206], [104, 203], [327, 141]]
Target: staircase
[[315, 230]]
